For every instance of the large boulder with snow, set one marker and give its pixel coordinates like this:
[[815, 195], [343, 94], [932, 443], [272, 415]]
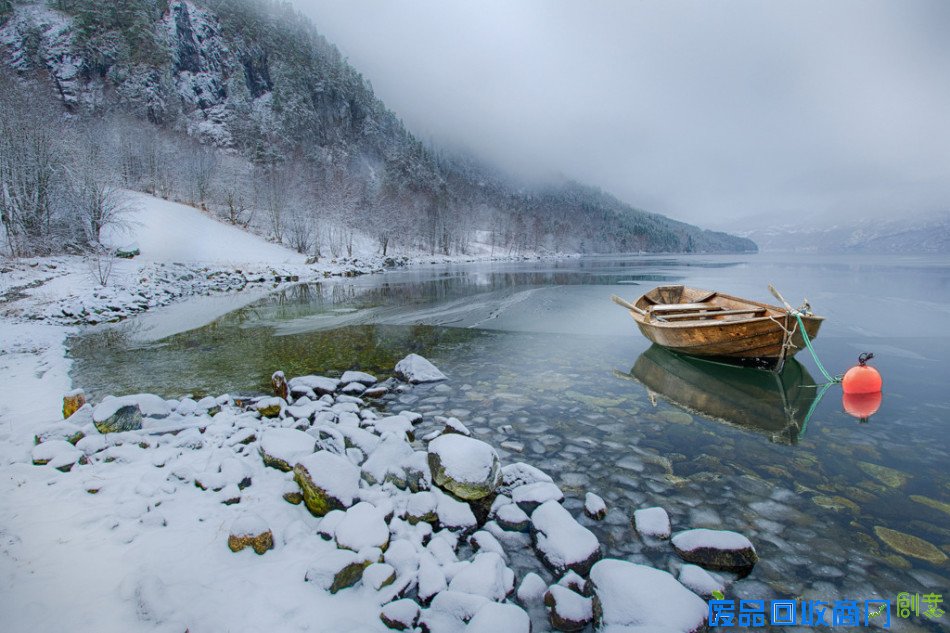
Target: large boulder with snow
[[282, 448], [415, 369], [562, 542], [631, 595], [466, 467], [250, 530], [716, 549], [327, 481]]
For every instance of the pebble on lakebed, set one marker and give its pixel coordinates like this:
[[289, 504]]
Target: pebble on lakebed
[[432, 529]]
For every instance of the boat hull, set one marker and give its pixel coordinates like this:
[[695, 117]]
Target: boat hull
[[743, 330]]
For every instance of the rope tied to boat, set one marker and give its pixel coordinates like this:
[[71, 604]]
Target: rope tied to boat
[[824, 372]]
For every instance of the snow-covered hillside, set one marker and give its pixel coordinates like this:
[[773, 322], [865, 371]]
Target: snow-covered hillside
[[170, 232]]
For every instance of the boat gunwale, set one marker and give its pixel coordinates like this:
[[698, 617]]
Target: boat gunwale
[[687, 324]]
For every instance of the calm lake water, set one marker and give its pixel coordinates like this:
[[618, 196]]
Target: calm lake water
[[539, 346]]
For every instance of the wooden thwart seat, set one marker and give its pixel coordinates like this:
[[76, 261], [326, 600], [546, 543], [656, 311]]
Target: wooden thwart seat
[[669, 308], [711, 313]]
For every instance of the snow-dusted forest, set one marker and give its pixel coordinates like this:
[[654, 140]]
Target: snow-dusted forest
[[243, 109]]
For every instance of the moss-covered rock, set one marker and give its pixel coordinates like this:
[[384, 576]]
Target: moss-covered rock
[[250, 530], [127, 417], [72, 402], [327, 482], [464, 466]]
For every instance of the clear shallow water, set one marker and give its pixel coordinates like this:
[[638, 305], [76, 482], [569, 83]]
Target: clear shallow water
[[539, 346]]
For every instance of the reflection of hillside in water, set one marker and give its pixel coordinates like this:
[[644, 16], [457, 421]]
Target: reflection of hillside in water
[[775, 405]]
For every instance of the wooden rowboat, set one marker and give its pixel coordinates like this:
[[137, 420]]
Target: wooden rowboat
[[716, 325]]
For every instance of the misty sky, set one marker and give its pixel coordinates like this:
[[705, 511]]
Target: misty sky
[[707, 111]]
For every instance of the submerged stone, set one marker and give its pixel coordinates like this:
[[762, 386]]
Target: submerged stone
[[890, 477], [933, 503], [910, 545]]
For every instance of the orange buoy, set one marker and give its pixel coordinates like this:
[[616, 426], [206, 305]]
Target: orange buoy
[[862, 378], [862, 405]]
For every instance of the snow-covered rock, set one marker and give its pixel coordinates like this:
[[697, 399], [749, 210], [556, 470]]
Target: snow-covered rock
[[530, 496], [511, 517], [568, 610], [327, 481], [431, 580], [652, 523], [400, 615], [532, 588], [394, 424], [699, 581], [358, 376], [483, 541], [561, 541], [279, 383], [115, 415], [270, 407], [495, 617], [716, 549], [421, 506], [594, 506], [338, 569], [486, 575], [250, 530], [454, 425], [387, 461], [59, 454], [283, 448], [362, 526], [379, 575], [520, 474], [631, 595], [416, 369], [72, 402], [320, 385], [454, 514], [467, 467], [450, 611]]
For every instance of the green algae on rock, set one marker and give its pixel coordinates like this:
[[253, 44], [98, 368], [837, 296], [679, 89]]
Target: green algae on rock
[[910, 545], [890, 477]]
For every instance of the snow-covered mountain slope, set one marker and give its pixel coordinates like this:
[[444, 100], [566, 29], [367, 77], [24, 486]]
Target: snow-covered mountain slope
[[170, 232]]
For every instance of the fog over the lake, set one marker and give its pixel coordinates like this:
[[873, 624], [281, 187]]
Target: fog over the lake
[[705, 111]]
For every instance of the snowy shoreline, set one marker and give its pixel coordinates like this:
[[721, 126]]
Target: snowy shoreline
[[396, 520]]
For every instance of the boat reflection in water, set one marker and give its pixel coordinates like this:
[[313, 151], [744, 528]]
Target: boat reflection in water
[[776, 405]]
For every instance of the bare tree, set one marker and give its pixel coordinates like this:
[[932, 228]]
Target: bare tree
[[94, 195], [32, 176]]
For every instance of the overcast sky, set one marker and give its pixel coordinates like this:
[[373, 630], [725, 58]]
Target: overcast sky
[[708, 111]]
